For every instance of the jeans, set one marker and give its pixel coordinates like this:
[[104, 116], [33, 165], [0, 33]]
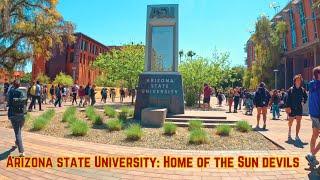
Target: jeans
[[275, 110], [33, 102], [236, 103], [58, 101], [17, 124], [74, 98]]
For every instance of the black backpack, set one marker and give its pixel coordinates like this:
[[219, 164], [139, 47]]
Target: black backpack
[[19, 102]]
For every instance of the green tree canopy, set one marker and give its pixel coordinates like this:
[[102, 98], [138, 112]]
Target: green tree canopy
[[26, 78], [63, 79], [29, 28], [121, 66]]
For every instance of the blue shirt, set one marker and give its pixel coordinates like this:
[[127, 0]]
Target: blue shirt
[[314, 98], [38, 90]]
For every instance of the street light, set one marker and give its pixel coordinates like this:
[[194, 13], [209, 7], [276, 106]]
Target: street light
[[275, 78]]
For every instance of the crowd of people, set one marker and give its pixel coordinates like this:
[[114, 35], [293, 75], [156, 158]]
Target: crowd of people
[[291, 100]]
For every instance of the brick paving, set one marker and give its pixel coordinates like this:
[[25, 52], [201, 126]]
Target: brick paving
[[37, 145]]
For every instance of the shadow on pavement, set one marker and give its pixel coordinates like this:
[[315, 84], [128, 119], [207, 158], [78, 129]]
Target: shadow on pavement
[[5, 154]]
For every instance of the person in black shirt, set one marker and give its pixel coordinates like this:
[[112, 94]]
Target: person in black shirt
[[261, 101], [275, 100], [296, 96]]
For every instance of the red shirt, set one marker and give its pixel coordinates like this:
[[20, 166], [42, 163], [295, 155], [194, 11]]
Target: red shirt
[[207, 91], [81, 92]]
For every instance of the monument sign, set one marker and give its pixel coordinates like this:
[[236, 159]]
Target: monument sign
[[160, 85]]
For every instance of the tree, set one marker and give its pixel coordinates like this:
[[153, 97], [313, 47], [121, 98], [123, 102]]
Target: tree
[[180, 54], [29, 28], [26, 78], [122, 65], [42, 78], [196, 72], [191, 54], [63, 79], [267, 38]]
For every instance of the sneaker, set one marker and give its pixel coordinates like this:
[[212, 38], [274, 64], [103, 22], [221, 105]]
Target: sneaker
[[312, 160], [290, 138], [257, 127], [21, 154]]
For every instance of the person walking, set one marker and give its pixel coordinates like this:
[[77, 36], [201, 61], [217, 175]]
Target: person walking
[[296, 97], [236, 99], [275, 100], [113, 94], [51, 91], [74, 91], [207, 91], [104, 94], [36, 93], [81, 94], [229, 98], [44, 94], [261, 101], [87, 94], [93, 95], [17, 105], [122, 95], [314, 110], [58, 94]]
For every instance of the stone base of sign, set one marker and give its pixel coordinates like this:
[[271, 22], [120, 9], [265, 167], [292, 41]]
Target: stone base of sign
[[152, 117], [159, 90]]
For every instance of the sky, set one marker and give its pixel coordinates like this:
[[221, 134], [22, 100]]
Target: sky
[[204, 25]]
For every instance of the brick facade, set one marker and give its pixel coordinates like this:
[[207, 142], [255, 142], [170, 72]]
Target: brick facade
[[301, 46], [74, 60]]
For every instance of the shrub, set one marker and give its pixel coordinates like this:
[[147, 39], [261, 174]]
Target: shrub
[[195, 124], [70, 112], [123, 114], [79, 128], [90, 112], [169, 128], [71, 120], [114, 125], [110, 111], [223, 130], [243, 126], [28, 117], [43, 120], [134, 132], [97, 120], [198, 136]]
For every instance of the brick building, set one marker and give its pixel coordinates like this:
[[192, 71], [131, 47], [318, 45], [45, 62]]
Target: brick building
[[301, 45], [5, 76], [75, 60]]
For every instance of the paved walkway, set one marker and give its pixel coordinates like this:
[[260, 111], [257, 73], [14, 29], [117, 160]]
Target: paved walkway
[[40, 145]]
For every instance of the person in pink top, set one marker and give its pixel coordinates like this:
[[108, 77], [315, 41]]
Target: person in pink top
[[207, 91]]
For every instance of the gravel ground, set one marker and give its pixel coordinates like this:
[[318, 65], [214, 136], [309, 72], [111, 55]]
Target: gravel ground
[[154, 137]]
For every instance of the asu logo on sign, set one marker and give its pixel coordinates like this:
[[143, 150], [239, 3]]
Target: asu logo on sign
[[162, 12]]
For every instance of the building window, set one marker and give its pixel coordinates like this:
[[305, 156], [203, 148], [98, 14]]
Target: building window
[[84, 59], [303, 23], [314, 19], [284, 42], [80, 60], [292, 29], [71, 57]]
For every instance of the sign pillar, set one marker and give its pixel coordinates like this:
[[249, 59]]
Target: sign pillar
[[160, 85]]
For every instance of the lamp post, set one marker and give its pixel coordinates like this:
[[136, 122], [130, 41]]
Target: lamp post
[[275, 78]]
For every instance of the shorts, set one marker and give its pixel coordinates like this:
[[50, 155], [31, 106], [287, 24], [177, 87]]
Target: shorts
[[206, 100], [315, 122], [296, 112]]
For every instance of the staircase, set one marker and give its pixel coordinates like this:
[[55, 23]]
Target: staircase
[[208, 121]]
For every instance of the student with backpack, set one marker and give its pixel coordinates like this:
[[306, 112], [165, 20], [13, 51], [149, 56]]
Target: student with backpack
[[17, 104], [52, 94], [93, 95], [296, 96], [87, 94], [261, 101], [35, 92], [104, 94]]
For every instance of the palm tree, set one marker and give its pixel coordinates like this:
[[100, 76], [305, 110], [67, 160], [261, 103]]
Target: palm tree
[[191, 54], [180, 54]]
